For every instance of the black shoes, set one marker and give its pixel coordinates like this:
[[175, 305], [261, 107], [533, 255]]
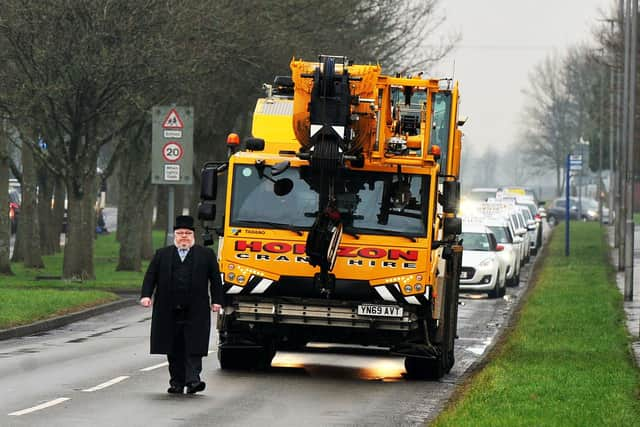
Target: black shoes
[[195, 387], [192, 388], [175, 389]]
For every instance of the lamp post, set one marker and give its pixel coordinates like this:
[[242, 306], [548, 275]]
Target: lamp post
[[632, 10]]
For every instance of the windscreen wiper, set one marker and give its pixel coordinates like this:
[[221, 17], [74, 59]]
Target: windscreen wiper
[[268, 224], [349, 231]]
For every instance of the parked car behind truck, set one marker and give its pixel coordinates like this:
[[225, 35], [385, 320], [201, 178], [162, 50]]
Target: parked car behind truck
[[556, 211]]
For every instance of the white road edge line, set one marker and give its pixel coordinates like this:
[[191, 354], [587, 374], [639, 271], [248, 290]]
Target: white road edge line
[[41, 406], [151, 368], [107, 384]]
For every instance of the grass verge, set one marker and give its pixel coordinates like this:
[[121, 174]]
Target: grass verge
[[24, 306], [567, 360], [26, 298], [106, 252]]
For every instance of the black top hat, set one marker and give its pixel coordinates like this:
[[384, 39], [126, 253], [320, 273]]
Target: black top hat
[[184, 221]]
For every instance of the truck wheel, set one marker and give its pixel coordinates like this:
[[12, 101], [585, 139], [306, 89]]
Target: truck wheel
[[231, 358], [434, 369], [425, 369], [245, 358]]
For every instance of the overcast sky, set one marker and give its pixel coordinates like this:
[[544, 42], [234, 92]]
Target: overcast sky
[[502, 40]]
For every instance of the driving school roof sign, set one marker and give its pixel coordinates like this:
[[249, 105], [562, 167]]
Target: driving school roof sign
[[172, 145]]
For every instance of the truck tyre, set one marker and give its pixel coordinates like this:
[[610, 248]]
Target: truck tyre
[[231, 358], [424, 369], [245, 358], [434, 369]]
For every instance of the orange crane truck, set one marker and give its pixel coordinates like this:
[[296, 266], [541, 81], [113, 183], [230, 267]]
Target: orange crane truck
[[340, 218]]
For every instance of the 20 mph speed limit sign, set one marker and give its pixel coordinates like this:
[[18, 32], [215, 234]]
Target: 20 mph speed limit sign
[[172, 151], [172, 145]]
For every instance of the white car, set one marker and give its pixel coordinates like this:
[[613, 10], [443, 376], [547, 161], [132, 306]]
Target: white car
[[511, 253], [532, 227], [536, 213], [482, 267], [520, 226]]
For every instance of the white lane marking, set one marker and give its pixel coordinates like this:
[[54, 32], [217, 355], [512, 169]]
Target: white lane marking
[[151, 368], [107, 384], [41, 406]]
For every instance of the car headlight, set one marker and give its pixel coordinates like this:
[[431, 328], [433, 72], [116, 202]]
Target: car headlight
[[592, 213], [485, 262]]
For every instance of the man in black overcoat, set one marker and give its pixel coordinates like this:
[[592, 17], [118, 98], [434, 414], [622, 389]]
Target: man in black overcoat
[[184, 281]]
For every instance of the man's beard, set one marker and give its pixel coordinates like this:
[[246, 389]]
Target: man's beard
[[188, 245]]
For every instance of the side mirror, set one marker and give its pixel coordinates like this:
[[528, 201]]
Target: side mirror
[[209, 180], [521, 231], [207, 210], [451, 196], [452, 226], [499, 248]]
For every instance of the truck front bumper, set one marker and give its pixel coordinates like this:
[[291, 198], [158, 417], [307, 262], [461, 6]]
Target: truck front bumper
[[341, 314]]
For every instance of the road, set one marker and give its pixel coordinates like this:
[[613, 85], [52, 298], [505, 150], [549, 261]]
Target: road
[[98, 372]]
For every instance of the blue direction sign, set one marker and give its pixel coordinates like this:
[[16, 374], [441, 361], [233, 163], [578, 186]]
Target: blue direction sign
[[575, 162]]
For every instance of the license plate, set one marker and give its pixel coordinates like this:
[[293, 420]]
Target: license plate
[[379, 310], [463, 274]]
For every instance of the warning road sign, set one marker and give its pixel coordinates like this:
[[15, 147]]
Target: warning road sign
[[173, 120], [172, 151], [172, 145]]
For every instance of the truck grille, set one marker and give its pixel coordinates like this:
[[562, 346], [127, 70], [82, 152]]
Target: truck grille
[[319, 315]]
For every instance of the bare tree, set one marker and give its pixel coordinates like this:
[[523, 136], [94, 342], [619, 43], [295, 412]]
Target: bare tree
[[75, 66], [5, 225], [549, 117]]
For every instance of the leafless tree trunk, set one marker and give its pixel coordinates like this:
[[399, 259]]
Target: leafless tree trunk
[[5, 224], [49, 231], [78, 249], [58, 212], [135, 176], [161, 208], [147, 226], [29, 211]]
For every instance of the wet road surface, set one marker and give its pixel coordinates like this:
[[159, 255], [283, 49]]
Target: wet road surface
[[98, 372]]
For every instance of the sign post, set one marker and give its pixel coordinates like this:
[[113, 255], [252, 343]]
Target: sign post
[[172, 152], [567, 206]]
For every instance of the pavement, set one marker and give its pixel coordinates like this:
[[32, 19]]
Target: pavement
[[631, 308]]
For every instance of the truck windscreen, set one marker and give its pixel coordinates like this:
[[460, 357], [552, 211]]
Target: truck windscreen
[[369, 202]]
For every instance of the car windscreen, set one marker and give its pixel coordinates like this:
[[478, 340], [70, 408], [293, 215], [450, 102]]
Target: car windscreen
[[475, 241], [368, 202], [502, 234]]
